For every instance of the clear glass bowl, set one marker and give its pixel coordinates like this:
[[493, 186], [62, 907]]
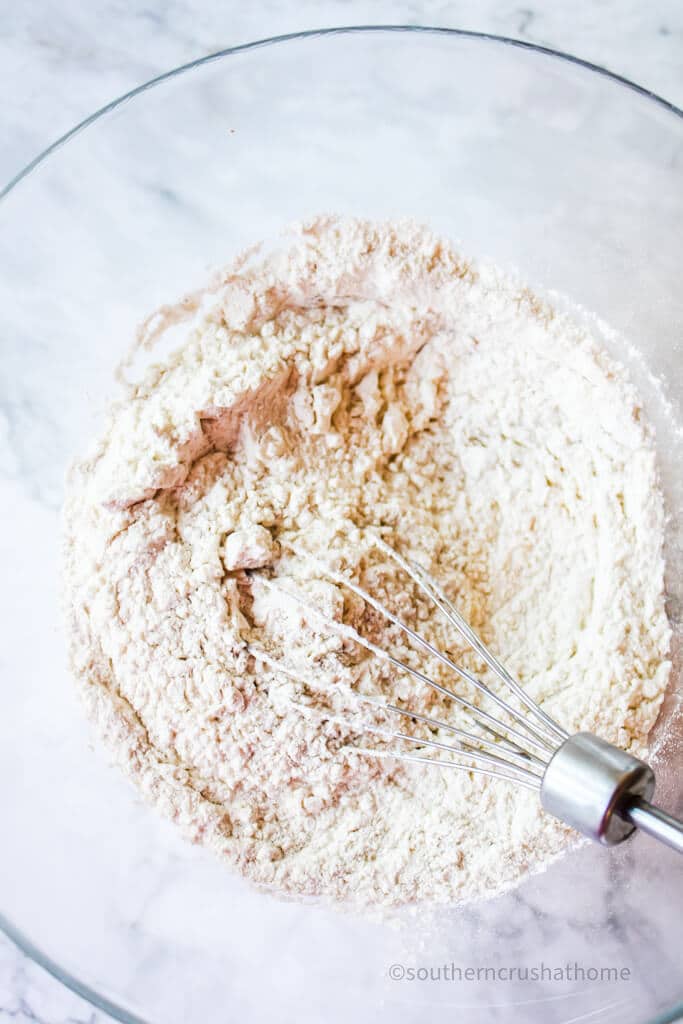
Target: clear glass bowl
[[534, 160]]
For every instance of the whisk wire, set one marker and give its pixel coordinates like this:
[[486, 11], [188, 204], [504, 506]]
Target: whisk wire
[[541, 739], [466, 737], [482, 718], [434, 590], [474, 770], [467, 747]]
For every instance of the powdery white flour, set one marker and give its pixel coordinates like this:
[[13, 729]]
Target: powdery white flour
[[364, 379]]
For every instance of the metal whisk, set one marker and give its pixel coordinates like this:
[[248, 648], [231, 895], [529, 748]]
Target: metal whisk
[[584, 781]]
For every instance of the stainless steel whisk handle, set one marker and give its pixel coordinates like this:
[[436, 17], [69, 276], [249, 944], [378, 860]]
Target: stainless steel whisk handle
[[605, 793], [656, 822]]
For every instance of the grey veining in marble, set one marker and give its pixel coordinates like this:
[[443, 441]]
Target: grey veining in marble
[[61, 60]]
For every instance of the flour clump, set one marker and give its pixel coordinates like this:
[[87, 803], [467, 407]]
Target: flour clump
[[361, 380]]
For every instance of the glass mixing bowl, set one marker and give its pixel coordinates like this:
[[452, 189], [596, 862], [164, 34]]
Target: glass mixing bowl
[[529, 158]]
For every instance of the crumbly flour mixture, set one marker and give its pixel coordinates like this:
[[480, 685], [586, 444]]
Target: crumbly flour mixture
[[363, 380]]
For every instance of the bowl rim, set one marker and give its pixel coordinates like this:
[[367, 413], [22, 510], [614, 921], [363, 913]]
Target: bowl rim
[[7, 928], [317, 33]]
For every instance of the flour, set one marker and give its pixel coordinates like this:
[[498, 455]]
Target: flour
[[363, 380]]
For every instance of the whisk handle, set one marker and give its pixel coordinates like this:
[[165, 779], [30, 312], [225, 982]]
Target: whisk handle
[[655, 822], [605, 793]]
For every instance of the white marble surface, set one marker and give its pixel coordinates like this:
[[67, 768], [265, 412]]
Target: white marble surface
[[59, 61]]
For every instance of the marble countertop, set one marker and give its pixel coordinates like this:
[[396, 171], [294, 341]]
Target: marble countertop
[[61, 59]]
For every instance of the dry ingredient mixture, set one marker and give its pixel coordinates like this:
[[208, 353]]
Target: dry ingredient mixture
[[364, 379]]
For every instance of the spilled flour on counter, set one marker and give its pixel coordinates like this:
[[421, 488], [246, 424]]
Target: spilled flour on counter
[[365, 379]]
